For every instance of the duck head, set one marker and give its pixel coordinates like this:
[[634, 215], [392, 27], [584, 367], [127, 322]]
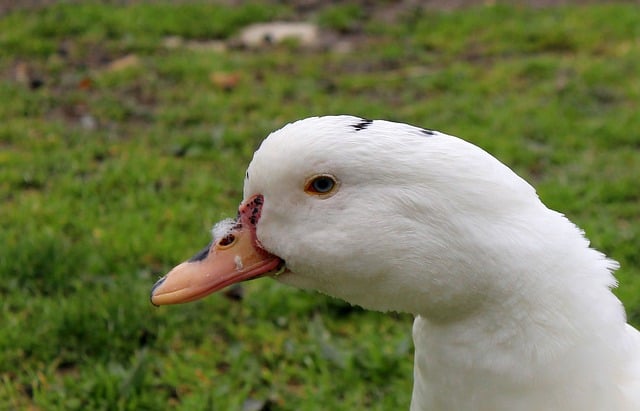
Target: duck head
[[384, 215]]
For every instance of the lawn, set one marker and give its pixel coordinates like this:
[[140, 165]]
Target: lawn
[[125, 131]]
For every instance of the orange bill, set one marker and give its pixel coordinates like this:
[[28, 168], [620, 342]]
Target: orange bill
[[235, 257]]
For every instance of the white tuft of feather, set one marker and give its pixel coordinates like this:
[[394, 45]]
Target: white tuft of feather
[[222, 228]]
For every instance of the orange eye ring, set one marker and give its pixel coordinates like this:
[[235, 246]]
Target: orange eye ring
[[321, 185]]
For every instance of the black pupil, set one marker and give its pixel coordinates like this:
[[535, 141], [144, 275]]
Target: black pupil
[[322, 184]]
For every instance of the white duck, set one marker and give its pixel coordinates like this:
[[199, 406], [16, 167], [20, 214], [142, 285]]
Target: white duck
[[513, 310]]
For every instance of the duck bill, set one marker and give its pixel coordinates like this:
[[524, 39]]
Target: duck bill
[[235, 257]]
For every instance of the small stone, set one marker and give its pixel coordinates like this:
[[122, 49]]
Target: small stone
[[261, 34]]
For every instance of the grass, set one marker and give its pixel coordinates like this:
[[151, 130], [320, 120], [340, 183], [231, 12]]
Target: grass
[[110, 175]]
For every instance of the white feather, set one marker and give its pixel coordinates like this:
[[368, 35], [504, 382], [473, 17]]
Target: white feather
[[222, 228], [513, 310]]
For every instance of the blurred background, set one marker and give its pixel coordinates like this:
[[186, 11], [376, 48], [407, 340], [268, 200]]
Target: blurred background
[[125, 130]]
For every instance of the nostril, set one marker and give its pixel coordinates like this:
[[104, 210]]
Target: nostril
[[227, 240]]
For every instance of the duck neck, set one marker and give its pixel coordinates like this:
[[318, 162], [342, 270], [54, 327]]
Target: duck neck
[[528, 334]]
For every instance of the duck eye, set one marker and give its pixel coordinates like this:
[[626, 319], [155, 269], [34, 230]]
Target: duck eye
[[321, 185]]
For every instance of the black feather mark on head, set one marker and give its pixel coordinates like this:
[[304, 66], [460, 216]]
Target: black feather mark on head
[[427, 132], [364, 123]]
